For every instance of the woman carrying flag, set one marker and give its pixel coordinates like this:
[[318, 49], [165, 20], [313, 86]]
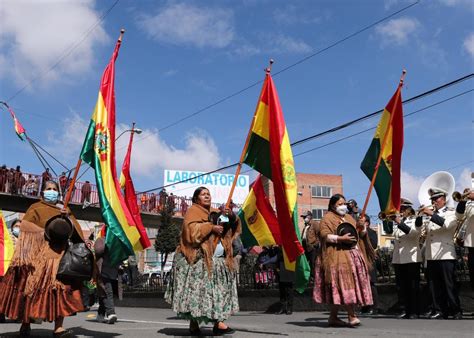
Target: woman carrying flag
[[203, 285], [30, 291]]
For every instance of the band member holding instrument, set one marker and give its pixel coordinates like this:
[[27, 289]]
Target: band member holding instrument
[[407, 258], [342, 272], [441, 255], [465, 216]]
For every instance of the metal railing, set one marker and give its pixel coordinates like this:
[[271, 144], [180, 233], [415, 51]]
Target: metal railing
[[251, 277], [27, 184]]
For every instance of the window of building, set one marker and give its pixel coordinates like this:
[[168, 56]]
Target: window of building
[[151, 256], [318, 213], [320, 191]]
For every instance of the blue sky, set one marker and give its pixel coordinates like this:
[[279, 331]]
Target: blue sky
[[180, 56]]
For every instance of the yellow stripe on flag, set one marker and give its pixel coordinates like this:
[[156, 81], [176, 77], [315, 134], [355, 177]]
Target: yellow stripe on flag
[[261, 125]]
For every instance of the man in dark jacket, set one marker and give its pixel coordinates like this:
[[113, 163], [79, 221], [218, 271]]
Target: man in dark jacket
[[108, 274]]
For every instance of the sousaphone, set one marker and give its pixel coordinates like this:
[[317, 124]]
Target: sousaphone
[[439, 179]]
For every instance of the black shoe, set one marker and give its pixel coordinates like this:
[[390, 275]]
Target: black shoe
[[281, 311], [2, 318], [436, 315], [408, 316], [219, 332], [457, 315], [402, 315], [25, 331], [64, 334]]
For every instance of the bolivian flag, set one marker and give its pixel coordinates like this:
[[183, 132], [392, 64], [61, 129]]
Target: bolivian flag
[[259, 222], [269, 152], [123, 237], [19, 130], [6, 246], [389, 132]]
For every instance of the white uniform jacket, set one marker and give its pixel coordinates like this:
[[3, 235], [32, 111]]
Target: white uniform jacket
[[469, 223], [439, 238], [406, 246]]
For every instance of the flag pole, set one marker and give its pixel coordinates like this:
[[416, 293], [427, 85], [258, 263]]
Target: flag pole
[[247, 140], [79, 162], [384, 143]]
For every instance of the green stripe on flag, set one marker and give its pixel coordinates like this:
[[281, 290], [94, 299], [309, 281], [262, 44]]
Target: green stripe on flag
[[258, 155], [248, 240]]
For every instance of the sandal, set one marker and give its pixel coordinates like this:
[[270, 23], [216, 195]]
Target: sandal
[[65, 333], [355, 322]]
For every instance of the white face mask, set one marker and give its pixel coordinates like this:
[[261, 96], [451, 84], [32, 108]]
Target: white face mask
[[342, 210], [307, 219]]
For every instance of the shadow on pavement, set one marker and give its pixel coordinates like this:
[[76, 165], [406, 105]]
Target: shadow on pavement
[[207, 332], [77, 331], [322, 324]]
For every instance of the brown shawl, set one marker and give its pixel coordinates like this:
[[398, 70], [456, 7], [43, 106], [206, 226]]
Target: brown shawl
[[197, 237], [334, 257]]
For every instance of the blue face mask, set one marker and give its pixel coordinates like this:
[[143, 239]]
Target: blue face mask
[[16, 232], [50, 196]]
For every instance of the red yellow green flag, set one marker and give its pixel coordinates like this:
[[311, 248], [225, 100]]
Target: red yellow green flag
[[123, 237], [259, 222], [131, 197], [19, 130], [390, 131], [6, 246], [269, 152]]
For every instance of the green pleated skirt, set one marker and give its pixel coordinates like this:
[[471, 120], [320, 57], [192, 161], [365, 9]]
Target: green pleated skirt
[[194, 295]]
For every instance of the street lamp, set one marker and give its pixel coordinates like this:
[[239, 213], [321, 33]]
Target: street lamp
[[133, 130]]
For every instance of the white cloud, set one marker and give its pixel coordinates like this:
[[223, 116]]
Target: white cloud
[[464, 180], [185, 24], [410, 186], [286, 44], [151, 153], [35, 34], [170, 73], [270, 43], [469, 44], [397, 30], [66, 141], [454, 3], [291, 14]]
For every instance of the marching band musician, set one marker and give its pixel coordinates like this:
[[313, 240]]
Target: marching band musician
[[465, 214], [407, 257], [440, 255]]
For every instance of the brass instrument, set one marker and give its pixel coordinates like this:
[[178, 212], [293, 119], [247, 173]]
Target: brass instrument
[[458, 197], [460, 232], [387, 217], [425, 225]]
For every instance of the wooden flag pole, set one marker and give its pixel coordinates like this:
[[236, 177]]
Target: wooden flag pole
[[79, 162], [384, 143], [71, 185], [247, 140]]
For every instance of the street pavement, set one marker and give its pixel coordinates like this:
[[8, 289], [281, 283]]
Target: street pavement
[[144, 322]]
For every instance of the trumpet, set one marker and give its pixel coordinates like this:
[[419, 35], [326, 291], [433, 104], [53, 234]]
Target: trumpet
[[458, 197], [420, 212], [388, 217]]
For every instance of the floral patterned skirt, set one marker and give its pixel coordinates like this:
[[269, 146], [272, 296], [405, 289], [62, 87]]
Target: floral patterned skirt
[[194, 295], [335, 292]]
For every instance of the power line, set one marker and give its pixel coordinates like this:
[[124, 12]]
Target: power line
[[430, 92], [334, 44], [372, 128], [65, 54]]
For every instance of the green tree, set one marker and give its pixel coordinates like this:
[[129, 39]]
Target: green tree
[[167, 238]]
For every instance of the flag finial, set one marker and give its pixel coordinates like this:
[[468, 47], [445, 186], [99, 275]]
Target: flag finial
[[269, 68], [122, 32], [402, 78]]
